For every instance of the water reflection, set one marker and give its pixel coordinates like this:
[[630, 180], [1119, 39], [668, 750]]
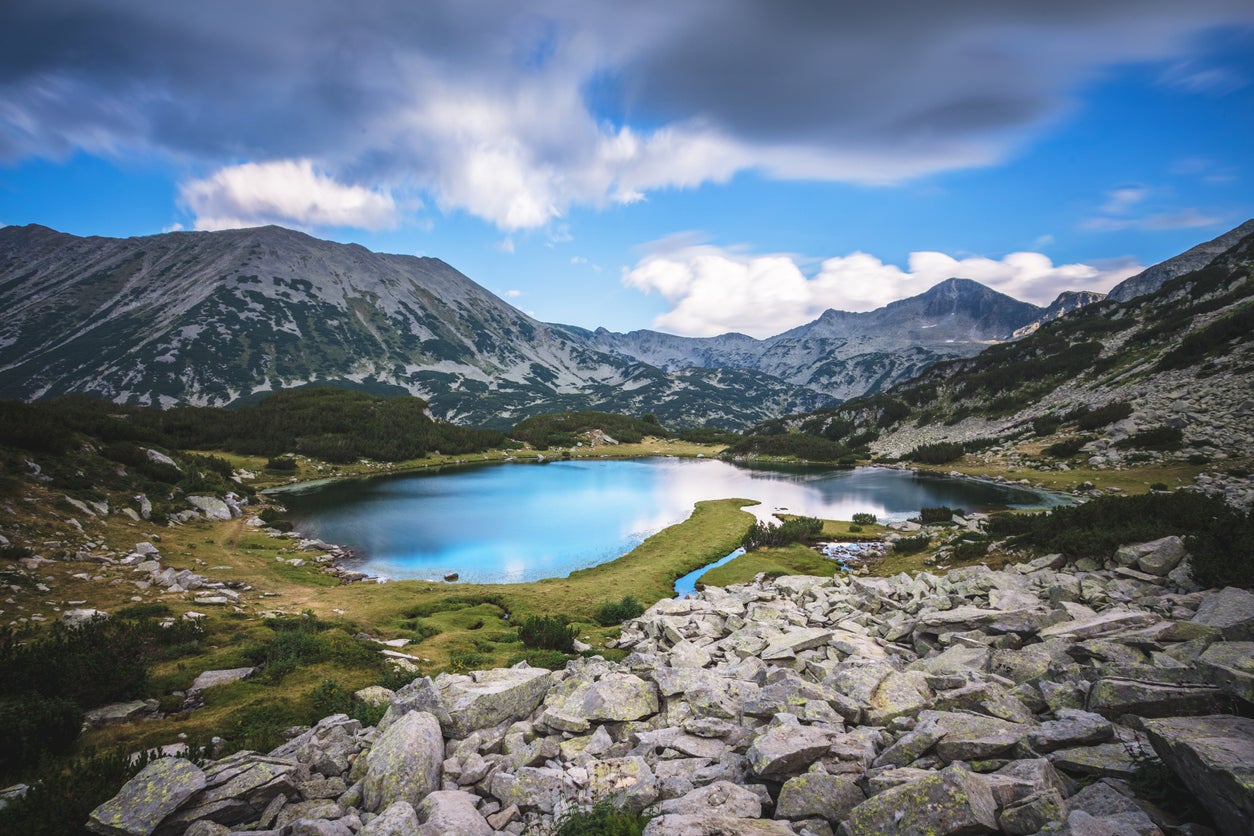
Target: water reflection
[[513, 523]]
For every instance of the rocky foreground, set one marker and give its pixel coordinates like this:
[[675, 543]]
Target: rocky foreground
[[1019, 701]]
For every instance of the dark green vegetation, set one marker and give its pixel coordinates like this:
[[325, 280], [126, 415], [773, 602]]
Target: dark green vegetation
[[602, 819], [334, 425], [912, 545], [544, 632], [939, 514], [611, 614], [1220, 539], [566, 429], [48, 679], [791, 530]]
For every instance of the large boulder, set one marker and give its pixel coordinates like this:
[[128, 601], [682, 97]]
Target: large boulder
[[482, 699], [451, 811], [212, 507], [406, 762], [1231, 667], [146, 800], [788, 748], [1231, 610], [239, 788], [722, 798], [952, 801], [831, 797], [1113, 697], [676, 824], [616, 697], [1214, 756]]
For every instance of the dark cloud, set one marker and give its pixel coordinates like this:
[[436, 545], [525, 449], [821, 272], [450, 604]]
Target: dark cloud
[[430, 93]]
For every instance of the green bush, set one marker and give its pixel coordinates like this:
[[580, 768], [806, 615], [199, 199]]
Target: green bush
[[1155, 438], [912, 545], [1067, 447], [939, 514], [63, 794], [1103, 415], [970, 550], [610, 613], [603, 819], [864, 519], [940, 453], [792, 530], [281, 463], [1046, 425], [464, 661], [547, 633], [32, 725]]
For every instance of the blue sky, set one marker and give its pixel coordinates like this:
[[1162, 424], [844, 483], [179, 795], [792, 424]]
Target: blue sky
[[690, 166]]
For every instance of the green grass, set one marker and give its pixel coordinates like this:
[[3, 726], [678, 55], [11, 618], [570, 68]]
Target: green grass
[[794, 559]]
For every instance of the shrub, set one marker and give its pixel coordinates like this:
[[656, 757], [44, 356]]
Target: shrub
[[864, 519], [854, 528], [912, 545], [282, 463], [62, 795], [970, 550], [610, 614], [1046, 425], [32, 725], [603, 819], [548, 633], [939, 514], [792, 530], [1155, 438], [464, 661], [1067, 448], [1103, 415], [940, 453]]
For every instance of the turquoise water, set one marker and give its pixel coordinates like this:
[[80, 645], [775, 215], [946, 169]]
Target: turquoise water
[[509, 523]]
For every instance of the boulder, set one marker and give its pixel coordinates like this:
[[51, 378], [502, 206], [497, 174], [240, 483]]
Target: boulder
[[787, 748], [629, 781], [617, 697], [1214, 756], [1072, 728], [77, 618], [212, 507], [146, 800], [969, 737], [1103, 624], [209, 679], [119, 712], [952, 801], [482, 699], [1112, 698], [675, 824], [239, 788], [1231, 610], [405, 762], [1231, 667], [831, 797], [721, 798], [445, 811]]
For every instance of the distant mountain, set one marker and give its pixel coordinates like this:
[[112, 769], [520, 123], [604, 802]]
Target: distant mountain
[[1174, 368], [1152, 278], [847, 354], [216, 317], [1067, 301]]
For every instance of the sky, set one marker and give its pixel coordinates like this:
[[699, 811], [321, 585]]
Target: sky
[[692, 166]]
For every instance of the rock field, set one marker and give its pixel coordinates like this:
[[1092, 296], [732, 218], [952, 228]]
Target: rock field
[[1021, 701]]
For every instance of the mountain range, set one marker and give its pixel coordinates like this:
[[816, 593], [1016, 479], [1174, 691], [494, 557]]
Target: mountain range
[[215, 318]]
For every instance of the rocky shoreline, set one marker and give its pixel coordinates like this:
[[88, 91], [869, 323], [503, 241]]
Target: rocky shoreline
[[1027, 700]]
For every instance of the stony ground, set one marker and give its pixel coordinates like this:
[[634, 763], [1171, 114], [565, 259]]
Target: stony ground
[[1029, 700]]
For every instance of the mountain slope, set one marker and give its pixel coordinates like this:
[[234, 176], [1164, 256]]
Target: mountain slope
[[1152, 278], [846, 354], [212, 317], [1177, 365]]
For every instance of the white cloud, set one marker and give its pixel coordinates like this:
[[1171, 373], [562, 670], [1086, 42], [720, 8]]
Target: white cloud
[[505, 245], [287, 192], [513, 294], [1120, 201], [711, 290]]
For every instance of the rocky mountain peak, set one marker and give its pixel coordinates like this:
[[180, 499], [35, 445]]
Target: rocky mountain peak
[[1149, 280]]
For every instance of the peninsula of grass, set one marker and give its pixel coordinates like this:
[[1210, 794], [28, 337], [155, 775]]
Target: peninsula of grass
[[793, 559]]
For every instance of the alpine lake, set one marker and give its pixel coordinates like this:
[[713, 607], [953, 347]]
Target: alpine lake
[[520, 522]]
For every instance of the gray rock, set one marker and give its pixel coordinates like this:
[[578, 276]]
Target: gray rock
[[405, 762], [629, 781], [1033, 814], [971, 737], [676, 824], [1232, 611], [1231, 667], [445, 811], [398, 819], [482, 699], [209, 679], [212, 507], [722, 798], [119, 712], [146, 800], [1113, 698], [831, 797], [1214, 756], [531, 788], [77, 618], [617, 697], [1161, 556], [788, 748], [317, 827], [1072, 728], [1103, 624], [239, 788], [952, 801]]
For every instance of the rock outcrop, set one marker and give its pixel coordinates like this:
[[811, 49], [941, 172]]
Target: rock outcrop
[[975, 702]]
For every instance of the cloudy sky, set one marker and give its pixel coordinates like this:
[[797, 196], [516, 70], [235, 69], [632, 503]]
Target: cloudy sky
[[689, 165]]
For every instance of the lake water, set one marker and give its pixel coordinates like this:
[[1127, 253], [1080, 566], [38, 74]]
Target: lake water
[[510, 523]]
